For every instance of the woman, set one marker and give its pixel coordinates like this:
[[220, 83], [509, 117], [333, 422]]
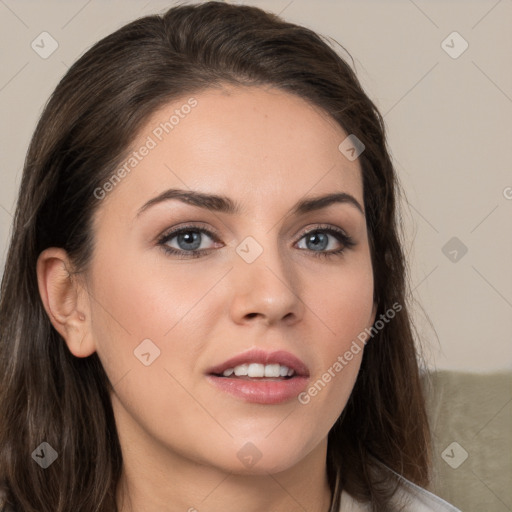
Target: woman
[[203, 305]]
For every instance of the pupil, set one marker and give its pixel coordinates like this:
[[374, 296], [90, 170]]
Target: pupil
[[192, 238], [319, 240]]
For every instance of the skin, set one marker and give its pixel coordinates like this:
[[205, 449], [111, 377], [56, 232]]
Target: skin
[[265, 149]]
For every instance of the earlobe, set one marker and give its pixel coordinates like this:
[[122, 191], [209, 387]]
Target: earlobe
[[65, 301]]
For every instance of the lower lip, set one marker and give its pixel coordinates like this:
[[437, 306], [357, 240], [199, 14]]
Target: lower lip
[[261, 391]]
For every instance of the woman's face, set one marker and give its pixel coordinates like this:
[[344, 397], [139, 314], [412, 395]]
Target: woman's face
[[262, 275]]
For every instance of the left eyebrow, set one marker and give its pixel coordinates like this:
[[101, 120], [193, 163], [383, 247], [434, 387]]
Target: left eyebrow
[[224, 204], [317, 203]]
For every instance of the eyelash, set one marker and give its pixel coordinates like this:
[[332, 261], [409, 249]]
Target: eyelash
[[346, 241]]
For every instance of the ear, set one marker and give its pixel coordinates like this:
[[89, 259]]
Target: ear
[[65, 300]]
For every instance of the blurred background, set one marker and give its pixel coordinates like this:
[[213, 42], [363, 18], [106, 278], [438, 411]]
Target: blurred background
[[440, 73]]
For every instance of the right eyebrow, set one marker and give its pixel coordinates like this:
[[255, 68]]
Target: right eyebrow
[[212, 202]]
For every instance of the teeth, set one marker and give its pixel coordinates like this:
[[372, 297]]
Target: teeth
[[241, 370], [254, 370], [273, 370]]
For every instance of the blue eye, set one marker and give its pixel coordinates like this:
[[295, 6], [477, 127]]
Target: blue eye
[[187, 241], [317, 241]]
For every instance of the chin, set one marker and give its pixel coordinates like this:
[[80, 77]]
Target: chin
[[267, 464], [270, 454]]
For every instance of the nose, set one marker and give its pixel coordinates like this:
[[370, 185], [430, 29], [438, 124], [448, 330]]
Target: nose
[[266, 290]]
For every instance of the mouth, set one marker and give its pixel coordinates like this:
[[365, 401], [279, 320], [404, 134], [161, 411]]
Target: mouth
[[261, 377]]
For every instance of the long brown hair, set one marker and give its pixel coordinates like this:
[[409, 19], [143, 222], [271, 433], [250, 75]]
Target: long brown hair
[[47, 394]]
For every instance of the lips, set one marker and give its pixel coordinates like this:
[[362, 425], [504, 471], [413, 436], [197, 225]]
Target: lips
[[260, 390]]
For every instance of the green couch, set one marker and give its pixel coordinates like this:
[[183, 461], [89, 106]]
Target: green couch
[[471, 421]]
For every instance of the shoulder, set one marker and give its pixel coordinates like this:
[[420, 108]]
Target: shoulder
[[409, 496]]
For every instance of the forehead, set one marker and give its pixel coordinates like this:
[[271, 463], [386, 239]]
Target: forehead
[[260, 144]]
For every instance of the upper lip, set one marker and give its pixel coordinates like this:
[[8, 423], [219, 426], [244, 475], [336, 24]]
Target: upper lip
[[260, 356]]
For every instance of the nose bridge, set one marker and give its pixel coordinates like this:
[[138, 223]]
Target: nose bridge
[[265, 284]]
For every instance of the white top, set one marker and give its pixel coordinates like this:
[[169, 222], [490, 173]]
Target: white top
[[409, 495]]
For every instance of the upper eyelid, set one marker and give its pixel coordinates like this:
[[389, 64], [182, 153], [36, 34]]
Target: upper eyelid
[[190, 227], [323, 227]]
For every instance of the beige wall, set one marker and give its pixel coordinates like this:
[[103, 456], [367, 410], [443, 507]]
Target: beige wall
[[448, 122]]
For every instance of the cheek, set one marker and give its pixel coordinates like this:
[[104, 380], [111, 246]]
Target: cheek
[[135, 300], [146, 295], [342, 300]]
